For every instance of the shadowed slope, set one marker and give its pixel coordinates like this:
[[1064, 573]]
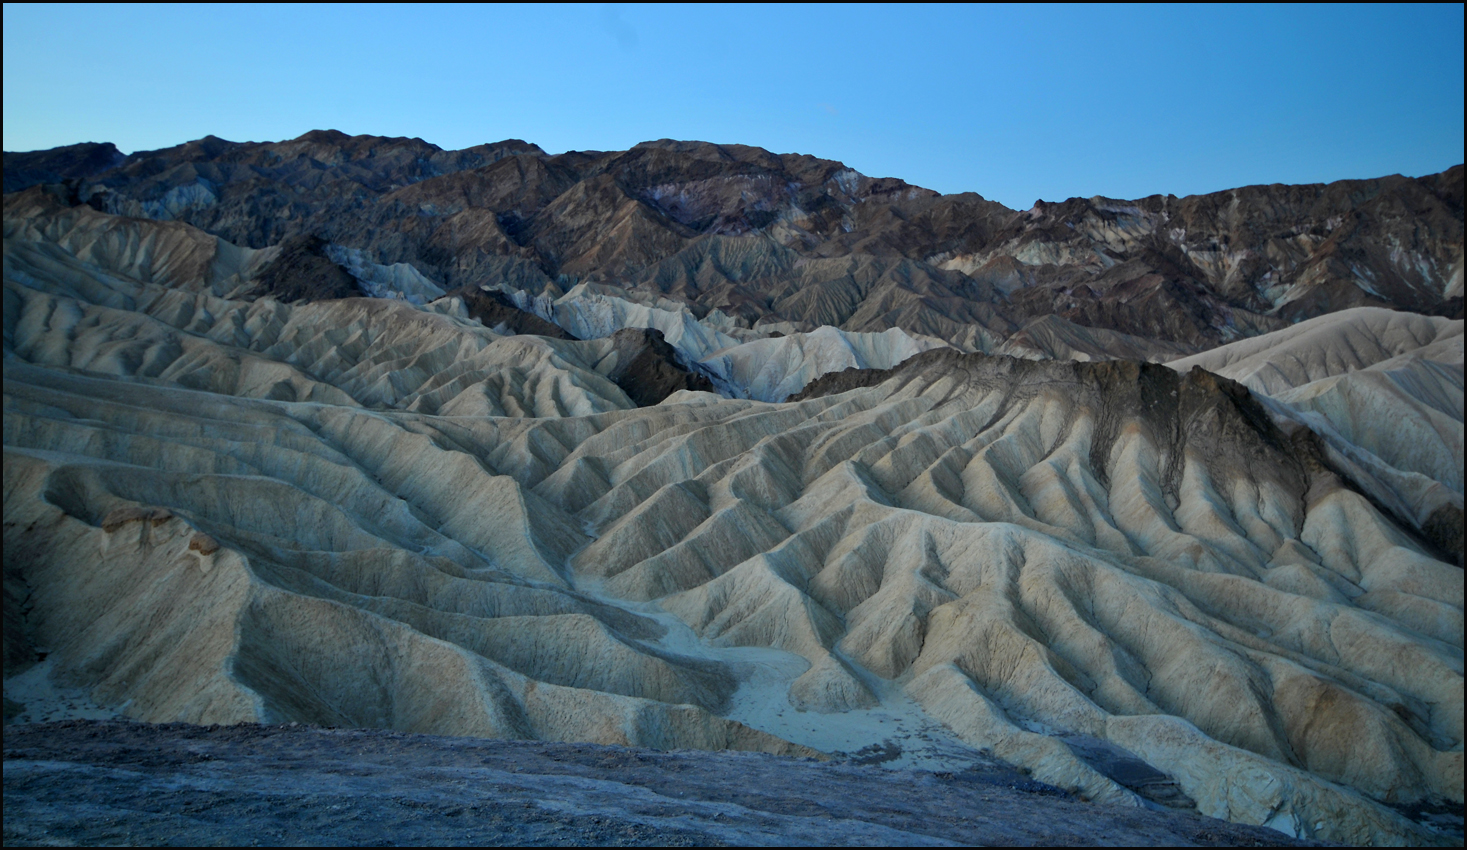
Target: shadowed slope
[[1384, 389]]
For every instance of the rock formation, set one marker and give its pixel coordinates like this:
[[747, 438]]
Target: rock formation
[[494, 310], [72, 162], [301, 271], [1384, 391], [647, 369]]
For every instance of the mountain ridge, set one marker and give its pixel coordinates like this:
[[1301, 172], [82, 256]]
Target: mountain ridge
[[800, 239]]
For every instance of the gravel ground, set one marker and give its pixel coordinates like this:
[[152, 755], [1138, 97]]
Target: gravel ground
[[84, 782]]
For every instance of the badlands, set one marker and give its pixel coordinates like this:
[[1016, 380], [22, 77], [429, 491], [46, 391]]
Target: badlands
[[644, 457]]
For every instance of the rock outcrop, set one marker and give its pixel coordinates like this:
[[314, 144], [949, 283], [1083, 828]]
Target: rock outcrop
[[494, 310], [301, 271], [647, 369]]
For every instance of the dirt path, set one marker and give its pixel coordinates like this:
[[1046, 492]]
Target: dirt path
[[110, 782]]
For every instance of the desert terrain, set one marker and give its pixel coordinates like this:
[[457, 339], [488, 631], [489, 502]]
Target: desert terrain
[[1156, 504], [92, 783]]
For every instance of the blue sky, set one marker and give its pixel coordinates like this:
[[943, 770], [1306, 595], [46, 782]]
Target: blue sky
[[1015, 103]]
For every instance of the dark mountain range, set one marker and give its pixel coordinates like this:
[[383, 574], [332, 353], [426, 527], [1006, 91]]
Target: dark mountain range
[[59, 164], [792, 238]]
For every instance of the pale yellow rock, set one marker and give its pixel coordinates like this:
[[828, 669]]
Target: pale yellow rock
[[829, 686]]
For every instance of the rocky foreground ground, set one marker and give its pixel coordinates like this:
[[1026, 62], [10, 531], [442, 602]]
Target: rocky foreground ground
[[93, 783]]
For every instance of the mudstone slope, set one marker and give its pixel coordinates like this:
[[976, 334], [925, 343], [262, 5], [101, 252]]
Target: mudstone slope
[[231, 495]]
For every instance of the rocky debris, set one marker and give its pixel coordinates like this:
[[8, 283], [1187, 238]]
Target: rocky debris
[[303, 272], [210, 785], [648, 369], [496, 311]]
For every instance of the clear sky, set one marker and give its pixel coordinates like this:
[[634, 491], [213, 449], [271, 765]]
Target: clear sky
[[1015, 103]]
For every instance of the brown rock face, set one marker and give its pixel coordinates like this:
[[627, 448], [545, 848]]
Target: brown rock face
[[494, 310], [786, 237], [647, 368], [303, 272]]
